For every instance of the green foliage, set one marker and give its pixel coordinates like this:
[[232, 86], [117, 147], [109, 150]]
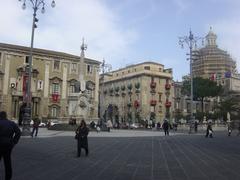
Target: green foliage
[[205, 88], [186, 88], [230, 105], [202, 88]]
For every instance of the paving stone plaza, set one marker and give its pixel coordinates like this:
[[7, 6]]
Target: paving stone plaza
[[125, 155]]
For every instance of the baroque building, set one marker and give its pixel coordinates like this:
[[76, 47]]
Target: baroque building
[[54, 93], [137, 92], [212, 63], [216, 64]]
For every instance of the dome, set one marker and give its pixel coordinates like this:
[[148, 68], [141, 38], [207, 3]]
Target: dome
[[211, 38]]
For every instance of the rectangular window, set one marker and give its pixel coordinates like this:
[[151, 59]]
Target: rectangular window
[[55, 88], [1, 57], [72, 88], [1, 84], [73, 67], [188, 107], [152, 79], [27, 58], [159, 97], [89, 69], [147, 67], [56, 65], [54, 112]]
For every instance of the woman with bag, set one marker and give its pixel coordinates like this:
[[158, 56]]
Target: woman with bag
[[81, 136]]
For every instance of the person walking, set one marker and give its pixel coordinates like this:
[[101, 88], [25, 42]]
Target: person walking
[[209, 131], [229, 128], [36, 123], [109, 125], [82, 140], [166, 127], [196, 126], [9, 137]]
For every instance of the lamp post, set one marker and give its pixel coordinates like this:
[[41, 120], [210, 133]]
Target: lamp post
[[36, 4], [104, 68], [191, 41]]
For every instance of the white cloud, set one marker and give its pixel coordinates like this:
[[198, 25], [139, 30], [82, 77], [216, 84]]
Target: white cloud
[[63, 27], [182, 5]]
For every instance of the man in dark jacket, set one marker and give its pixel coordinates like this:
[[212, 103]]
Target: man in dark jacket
[[36, 123], [9, 136], [165, 127]]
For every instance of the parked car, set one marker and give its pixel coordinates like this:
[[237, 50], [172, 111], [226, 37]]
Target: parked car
[[134, 126], [42, 124], [53, 122]]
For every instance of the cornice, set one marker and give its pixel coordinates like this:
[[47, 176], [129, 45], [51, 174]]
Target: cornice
[[43, 52]]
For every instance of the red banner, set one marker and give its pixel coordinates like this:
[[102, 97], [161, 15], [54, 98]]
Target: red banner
[[55, 97]]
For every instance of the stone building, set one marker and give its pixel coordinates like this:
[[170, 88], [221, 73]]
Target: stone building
[[53, 83], [212, 63], [137, 92], [216, 64]]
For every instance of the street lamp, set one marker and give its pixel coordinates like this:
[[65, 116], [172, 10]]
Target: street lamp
[[36, 4], [191, 41], [104, 68]]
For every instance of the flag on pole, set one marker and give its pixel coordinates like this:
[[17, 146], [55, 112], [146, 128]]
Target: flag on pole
[[227, 74]]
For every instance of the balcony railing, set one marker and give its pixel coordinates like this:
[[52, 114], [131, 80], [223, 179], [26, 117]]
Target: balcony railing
[[153, 85], [168, 104]]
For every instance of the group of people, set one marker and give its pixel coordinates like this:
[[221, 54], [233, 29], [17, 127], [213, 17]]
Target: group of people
[[10, 135]]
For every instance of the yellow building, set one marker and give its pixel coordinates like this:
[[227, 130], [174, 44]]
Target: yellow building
[[136, 93], [53, 83]]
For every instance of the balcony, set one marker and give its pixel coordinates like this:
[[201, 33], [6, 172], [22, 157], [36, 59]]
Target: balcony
[[153, 85], [167, 86], [136, 104], [168, 104]]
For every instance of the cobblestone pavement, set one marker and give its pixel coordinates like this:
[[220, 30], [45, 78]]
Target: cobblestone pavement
[[179, 156]]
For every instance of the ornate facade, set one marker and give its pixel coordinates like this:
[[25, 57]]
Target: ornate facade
[[216, 64], [53, 83], [137, 92]]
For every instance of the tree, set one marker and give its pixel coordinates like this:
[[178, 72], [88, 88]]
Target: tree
[[228, 105], [202, 88]]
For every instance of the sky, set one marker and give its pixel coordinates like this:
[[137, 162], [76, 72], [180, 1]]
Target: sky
[[125, 32]]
